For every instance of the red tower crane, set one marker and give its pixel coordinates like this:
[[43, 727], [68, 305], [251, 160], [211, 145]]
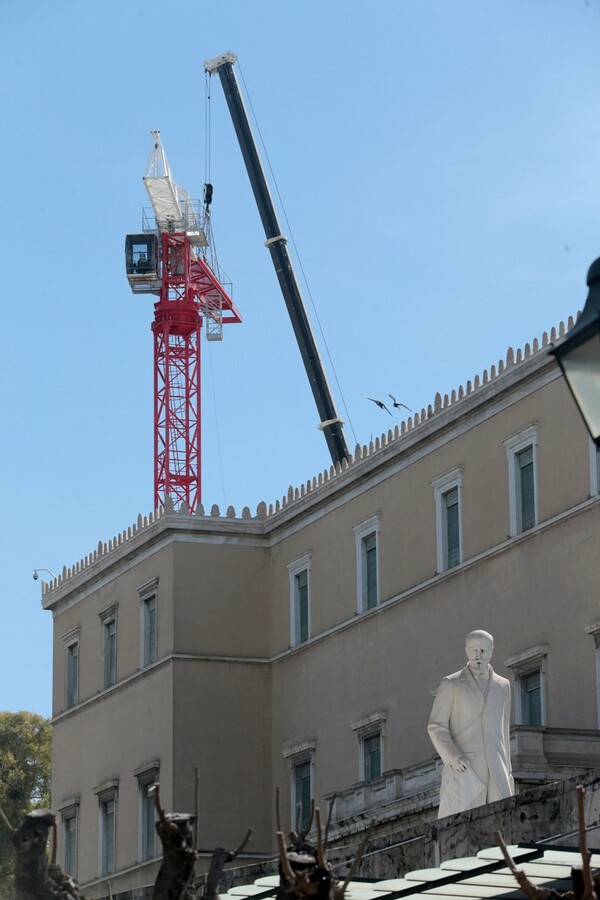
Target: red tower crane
[[173, 258]]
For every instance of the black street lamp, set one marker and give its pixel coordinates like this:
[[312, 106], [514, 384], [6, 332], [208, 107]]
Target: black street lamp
[[578, 355]]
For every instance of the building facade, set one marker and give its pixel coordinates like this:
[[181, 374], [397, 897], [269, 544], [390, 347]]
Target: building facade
[[301, 647]]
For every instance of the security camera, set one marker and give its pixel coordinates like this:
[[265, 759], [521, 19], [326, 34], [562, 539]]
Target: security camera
[[35, 575]]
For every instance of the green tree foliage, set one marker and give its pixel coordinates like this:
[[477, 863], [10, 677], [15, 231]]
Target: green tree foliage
[[25, 761]]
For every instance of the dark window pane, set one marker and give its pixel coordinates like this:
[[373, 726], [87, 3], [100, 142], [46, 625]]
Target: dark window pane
[[150, 631], [526, 488], [110, 653], [370, 563], [72, 675], [70, 835], [303, 790], [148, 831], [302, 606], [452, 532], [532, 699], [372, 752], [108, 837]]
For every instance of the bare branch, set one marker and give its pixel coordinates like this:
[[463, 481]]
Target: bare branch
[[588, 890], [302, 832], [168, 826], [507, 857], [286, 868], [320, 849], [196, 809], [329, 814], [298, 818], [54, 844], [277, 813], [237, 852], [357, 858], [110, 896], [528, 888], [6, 822]]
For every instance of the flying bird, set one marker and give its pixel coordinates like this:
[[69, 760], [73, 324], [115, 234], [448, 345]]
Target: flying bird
[[378, 403], [397, 403]]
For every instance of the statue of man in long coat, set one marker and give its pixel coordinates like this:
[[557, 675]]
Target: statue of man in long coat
[[469, 728]]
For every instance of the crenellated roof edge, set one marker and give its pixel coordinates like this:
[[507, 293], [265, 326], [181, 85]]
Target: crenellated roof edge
[[361, 453]]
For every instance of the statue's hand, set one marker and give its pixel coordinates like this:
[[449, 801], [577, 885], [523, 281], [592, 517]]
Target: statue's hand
[[461, 764]]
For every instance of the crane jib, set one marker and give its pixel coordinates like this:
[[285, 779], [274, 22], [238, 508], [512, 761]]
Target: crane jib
[[330, 422]]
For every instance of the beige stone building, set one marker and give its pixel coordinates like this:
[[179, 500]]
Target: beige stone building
[[300, 647]]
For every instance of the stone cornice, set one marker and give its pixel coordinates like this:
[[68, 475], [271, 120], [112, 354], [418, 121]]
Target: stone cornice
[[300, 749], [526, 656]]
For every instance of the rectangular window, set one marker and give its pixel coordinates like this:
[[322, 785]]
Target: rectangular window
[[303, 790], [108, 815], [525, 489], [372, 756], [147, 820], [149, 625], [367, 564], [72, 681], [70, 845], [451, 532], [529, 667], [447, 492], [522, 480], [301, 757], [109, 631], [148, 594], [370, 732], [299, 573]]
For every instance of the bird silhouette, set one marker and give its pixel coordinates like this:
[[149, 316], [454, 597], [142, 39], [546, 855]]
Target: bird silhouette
[[397, 403], [378, 403]]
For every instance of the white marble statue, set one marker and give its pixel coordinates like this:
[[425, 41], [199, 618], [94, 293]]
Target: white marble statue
[[469, 728]]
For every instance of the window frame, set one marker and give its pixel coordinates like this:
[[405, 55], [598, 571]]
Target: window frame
[[147, 776], [442, 486], [108, 617], [107, 793], [524, 664], [298, 756], [365, 729], [70, 814], [295, 569], [362, 532], [515, 445], [72, 672], [148, 593], [593, 630]]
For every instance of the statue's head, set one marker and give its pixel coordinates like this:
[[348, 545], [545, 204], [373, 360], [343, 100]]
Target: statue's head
[[479, 646]]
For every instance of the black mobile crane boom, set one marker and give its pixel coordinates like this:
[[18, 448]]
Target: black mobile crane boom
[[330, 422]]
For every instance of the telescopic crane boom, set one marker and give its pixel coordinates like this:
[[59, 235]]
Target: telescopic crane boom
[[330, 422]]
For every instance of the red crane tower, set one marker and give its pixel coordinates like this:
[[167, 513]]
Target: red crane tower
[[173, 258]]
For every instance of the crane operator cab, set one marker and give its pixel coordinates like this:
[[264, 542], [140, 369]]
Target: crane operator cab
[[142, 263]]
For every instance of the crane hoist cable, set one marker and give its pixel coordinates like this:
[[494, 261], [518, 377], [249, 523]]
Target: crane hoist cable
[[207, 134], [207, 200]]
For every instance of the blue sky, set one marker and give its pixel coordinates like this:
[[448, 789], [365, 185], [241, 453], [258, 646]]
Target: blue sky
[[439, 166]]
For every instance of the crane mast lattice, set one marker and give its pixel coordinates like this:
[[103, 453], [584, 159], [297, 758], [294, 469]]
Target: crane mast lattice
[[173, 259]]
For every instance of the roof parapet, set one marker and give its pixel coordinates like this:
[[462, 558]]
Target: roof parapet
[[361, 453]]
